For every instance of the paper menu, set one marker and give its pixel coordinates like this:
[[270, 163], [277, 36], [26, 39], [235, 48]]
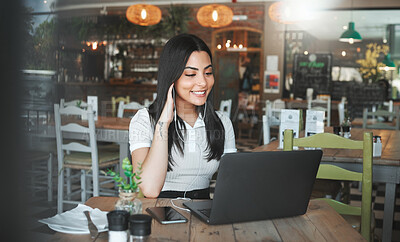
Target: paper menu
[[290, 119], [314, 122], [92, 100]]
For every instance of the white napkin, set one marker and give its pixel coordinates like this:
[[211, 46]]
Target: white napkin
[[74, 221]]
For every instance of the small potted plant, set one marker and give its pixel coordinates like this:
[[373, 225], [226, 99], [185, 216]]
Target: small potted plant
[[128, 187]]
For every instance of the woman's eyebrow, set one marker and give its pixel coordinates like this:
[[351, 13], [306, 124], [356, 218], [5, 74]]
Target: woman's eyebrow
[[192, 68], [208, 66], [196, 69]]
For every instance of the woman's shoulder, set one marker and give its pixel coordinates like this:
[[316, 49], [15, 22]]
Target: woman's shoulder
[[141, 115]]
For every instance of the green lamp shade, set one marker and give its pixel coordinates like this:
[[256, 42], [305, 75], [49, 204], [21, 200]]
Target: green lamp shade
[[350, 35], [388, 61]]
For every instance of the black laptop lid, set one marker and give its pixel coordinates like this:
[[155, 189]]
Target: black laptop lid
[[264, 185]]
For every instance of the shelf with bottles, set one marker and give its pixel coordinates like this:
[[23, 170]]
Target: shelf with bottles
[[134, 58]]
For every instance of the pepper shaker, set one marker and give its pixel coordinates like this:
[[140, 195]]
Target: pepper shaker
[[139, 227]]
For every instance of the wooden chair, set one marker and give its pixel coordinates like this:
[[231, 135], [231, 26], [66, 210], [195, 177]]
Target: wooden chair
[[381, 119], [39, 172], [83, 156], [341, 108], [115, 100], [75, 103], [38, 151], [321, 105], [327, 171], [133, 107], [278, 104], [270, 118], [225, 107]]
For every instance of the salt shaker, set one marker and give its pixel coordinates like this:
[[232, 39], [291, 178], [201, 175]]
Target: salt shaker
[[139, 227], [346, 131], [118, 226]]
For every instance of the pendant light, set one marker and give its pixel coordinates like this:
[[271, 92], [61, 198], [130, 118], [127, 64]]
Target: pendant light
[[143, 14], [389, 64], [214, 15], [350, 35]]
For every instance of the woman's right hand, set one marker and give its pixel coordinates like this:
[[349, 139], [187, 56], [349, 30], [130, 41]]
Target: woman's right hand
[[167, 114]]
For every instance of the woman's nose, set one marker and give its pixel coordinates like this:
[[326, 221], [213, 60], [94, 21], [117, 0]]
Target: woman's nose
[[201, 81]]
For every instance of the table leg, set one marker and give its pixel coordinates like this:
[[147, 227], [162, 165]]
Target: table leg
[[123, 153], [390, 197]]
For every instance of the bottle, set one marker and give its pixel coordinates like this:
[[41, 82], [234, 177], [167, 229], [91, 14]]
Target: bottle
[[118, 226], [139, 227], [346, 131]]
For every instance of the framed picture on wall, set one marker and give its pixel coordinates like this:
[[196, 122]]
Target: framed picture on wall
[[271, 83]]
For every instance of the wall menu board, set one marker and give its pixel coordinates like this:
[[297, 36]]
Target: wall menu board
[[311, 71]]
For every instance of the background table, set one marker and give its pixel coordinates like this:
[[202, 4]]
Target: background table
[[386, 168], [320, 223]]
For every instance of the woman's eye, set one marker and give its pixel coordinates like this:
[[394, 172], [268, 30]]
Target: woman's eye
[[209, 73], [190, 75]]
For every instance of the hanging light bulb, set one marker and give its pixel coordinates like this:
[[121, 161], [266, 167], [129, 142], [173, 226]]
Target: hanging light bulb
[[214, 15], [143, 14], [94, 45]]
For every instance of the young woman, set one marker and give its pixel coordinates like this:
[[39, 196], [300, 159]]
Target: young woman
[[180, 138]]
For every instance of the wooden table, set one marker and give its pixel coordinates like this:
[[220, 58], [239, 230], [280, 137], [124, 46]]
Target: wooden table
[[320, 223], [386, 168]]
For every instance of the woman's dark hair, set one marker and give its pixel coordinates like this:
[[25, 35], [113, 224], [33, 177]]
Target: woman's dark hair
[[171, 65]]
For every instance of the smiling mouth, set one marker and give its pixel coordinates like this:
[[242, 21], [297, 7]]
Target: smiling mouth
[[199, 92]]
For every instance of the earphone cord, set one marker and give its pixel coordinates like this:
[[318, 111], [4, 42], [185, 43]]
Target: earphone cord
[[198, 171], [176, 124], [184, 194]]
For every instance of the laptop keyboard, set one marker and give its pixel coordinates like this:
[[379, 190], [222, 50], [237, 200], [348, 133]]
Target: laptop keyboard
[[206, 212]]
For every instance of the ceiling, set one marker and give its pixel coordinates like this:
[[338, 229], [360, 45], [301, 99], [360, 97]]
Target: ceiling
[[326, 25]]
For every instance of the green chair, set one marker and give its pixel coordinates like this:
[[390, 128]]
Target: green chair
[[377, 116], [327, 171]]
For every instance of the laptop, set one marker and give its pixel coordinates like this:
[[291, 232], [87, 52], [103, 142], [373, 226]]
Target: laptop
[[260, 185]]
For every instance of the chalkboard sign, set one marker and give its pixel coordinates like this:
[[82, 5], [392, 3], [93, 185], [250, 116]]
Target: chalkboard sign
[[311, 71]]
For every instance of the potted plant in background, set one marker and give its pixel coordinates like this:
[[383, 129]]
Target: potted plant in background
[[346, 125], [128, 188]]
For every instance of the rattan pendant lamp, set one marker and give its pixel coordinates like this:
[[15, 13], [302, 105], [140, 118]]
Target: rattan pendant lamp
[[143, 14], [214, 16]]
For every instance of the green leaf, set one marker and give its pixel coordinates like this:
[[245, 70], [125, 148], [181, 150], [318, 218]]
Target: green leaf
[[128, 168], [126, 161], [111, 173], [118, 179]]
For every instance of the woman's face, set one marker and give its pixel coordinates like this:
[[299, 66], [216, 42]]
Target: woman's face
[[196, 81]]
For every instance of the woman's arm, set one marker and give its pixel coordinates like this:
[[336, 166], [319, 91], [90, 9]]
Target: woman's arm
[[154, 160]]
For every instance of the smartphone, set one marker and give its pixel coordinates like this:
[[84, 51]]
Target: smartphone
[[166, 215]]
